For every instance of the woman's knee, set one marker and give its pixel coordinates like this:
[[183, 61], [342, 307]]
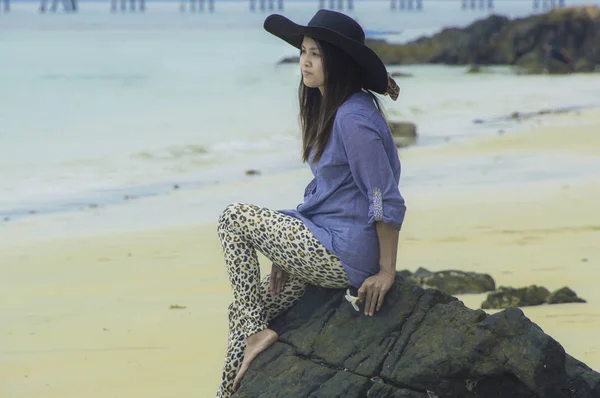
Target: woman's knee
[[229, 215]]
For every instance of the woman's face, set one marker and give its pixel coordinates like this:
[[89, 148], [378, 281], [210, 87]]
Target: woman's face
[[311, 63]]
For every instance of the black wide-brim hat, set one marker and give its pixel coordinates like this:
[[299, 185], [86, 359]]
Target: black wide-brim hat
[[341, 31]]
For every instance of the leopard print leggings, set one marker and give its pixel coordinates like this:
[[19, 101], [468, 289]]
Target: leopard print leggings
[[287, 242]]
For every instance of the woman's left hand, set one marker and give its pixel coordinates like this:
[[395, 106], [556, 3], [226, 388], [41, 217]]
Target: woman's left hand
[[374, 289], [277, 279]]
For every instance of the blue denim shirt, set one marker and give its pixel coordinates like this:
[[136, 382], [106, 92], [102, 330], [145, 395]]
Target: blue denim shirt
[[355, 184]]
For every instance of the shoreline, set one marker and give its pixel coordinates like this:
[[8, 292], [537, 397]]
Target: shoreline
[[427, 171], [125, 195]]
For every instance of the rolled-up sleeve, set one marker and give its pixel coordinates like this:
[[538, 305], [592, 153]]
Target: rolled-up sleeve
[[371, 169]]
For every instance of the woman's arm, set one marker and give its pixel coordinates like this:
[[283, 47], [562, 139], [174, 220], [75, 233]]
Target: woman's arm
[[388, 247], [373, 290]]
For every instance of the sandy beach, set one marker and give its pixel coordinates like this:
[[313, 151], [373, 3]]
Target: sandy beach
[[143, 313]]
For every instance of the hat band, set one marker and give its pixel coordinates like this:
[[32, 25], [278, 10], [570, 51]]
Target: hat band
[[392, 88]]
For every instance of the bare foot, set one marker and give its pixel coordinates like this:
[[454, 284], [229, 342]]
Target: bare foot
[[255, 344]]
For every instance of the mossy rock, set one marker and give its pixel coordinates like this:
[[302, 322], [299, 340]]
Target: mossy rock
[[404, 133]]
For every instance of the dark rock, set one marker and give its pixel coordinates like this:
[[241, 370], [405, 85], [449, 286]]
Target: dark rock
[[497, 40], [176, 186], [474, 69], [535, 62], [579, 370], [6, 219], [423, 343], [564, 295], [458, 282], [506, 297], [252, 172], [452, 281], [404, 133], [422, 273], [289, 60], [404, 274], [401, 74]]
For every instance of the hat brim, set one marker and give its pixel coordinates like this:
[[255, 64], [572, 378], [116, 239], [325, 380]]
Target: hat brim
[[376, 77]]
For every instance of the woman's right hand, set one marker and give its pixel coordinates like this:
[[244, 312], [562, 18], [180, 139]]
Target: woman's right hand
[[277, 279]]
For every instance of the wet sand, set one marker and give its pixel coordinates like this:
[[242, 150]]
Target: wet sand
[[91, 316]]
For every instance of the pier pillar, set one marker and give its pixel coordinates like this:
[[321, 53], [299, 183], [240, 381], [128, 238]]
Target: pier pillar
[[6, 5], [473, 4], [68, 5], [133, 4], [280, 5], [406, 5], [546, 4]]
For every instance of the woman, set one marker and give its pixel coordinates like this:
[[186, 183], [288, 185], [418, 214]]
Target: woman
[[345, 233]]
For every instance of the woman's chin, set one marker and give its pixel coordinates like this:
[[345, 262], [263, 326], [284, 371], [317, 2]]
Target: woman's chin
[[309, 83]]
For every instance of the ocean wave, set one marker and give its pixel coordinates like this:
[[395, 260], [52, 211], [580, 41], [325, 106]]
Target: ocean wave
[[173, 153], [205, 152], [95, 76]]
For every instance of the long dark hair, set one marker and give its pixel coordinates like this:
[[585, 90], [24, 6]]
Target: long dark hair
[[343, 77]]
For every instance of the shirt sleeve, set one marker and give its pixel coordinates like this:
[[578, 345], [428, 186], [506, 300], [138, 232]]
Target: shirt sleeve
[[371, 170]]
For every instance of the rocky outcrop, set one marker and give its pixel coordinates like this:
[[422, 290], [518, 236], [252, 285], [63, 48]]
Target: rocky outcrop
[[451, 281], [506, 297], [498, 40], [289, 60], [423, 343], [563, 296], [532, 295]]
